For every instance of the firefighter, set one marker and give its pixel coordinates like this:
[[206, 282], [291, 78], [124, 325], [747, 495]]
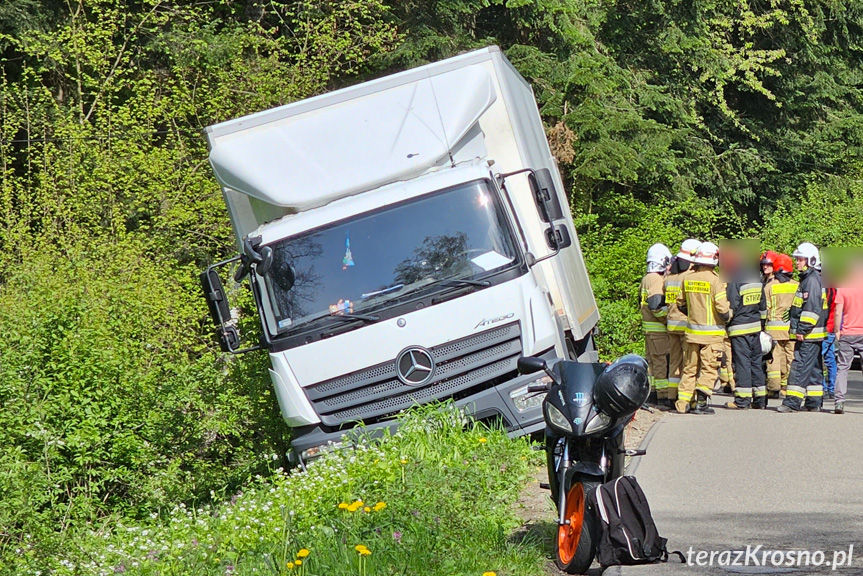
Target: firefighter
[[726, 368], [653, 318], [676, 323], [779, 290], [808, 321], [748, 309], [702, 298]]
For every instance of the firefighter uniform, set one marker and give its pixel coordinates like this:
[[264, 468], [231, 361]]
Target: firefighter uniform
[[726, 366], [779, 295], [654, 313], [808, 318], [748, 308], [703, 299], [676, 323]]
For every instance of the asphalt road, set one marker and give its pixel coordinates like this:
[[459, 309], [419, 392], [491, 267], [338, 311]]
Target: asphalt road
[[786, 482]]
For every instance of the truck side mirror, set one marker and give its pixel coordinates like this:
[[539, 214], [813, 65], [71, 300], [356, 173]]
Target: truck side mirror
[[220, 308], [557, 237], [545, 195], [229, 339], [214, 294]]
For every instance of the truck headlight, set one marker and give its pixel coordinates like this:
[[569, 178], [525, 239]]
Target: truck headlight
[[524, 400], [598, 422], [557, 420], [316, 451]]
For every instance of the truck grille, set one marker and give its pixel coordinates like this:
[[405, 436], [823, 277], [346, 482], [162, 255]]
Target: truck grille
[[463, 367]]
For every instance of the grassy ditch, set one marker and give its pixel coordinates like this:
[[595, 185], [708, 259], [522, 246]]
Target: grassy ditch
[[434, 498]]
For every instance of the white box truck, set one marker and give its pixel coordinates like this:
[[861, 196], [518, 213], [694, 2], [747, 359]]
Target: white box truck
[[406, 240]]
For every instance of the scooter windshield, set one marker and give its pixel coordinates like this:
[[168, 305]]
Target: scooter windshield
[[372, 260]]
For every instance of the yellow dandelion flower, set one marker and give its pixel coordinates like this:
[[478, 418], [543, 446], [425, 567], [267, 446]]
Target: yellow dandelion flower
[[290, 565], [353, 507], [482, 440], [365, 552], [360, 547], [489, 574], [380, 506], [367, 509], [298, 562], [403, 461], [303, 553], [343, 506]]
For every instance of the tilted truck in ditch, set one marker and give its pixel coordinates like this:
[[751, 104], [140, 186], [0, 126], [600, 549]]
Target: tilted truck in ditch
[[406, 240]]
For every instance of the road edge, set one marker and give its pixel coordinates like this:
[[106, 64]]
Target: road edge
[[631, 468]]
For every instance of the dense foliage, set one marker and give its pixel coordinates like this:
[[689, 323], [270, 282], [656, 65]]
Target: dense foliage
[[396, 506], [720, 118]]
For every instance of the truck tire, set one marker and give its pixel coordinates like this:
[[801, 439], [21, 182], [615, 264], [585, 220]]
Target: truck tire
[[575, 348]]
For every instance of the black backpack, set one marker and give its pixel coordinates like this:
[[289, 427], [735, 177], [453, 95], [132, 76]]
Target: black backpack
[[627, 533]]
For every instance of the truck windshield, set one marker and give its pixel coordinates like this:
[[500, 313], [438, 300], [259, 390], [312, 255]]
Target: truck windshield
[[366, 262]]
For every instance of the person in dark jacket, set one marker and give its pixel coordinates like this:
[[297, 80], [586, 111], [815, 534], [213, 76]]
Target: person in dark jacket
[[808, 318], [748, 311]]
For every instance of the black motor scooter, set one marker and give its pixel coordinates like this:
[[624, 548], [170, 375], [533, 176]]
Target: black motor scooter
[[586, 409]]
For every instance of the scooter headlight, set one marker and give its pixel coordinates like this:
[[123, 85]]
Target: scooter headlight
[[556, 419], [598, 423]]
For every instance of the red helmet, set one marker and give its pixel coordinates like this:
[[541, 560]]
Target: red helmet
[[769, 257], [783, 264]]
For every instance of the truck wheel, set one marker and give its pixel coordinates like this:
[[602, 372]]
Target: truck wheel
[[575, 348], [576, 544], [571, 349]]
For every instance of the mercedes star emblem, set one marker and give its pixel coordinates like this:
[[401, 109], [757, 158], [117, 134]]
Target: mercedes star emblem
[[415, 366]]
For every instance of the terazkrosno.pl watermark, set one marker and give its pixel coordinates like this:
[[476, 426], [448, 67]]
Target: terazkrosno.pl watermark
[[758, 556]]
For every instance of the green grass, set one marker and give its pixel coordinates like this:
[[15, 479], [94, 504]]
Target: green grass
[[435, 498]]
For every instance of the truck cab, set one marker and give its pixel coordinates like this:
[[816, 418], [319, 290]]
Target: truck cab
[[406, 241]]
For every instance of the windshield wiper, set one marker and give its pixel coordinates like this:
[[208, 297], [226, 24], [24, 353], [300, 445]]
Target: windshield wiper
[[364, 317], [464, 282], [352, 320], [444, 282]]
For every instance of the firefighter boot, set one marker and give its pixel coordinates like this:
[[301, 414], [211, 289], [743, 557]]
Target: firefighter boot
[[701, 404]]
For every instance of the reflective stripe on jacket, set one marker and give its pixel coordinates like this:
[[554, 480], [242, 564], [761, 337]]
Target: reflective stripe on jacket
[[702, 297], [676, 320], [779, 294], [748, 307], [808, 314], [653, 307]]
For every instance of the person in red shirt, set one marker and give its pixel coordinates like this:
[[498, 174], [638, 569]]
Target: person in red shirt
[[849, 330]]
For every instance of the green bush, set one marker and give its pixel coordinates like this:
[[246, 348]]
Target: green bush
[[113, 402], [435, 498], [826, 214]]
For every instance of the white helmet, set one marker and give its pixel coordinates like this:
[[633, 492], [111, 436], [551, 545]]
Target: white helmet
[[688, 249], [810, 252], [707, 254], [658, 258], [767, 343]]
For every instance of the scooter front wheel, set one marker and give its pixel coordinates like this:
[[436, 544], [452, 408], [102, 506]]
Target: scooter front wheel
[[576, 544]]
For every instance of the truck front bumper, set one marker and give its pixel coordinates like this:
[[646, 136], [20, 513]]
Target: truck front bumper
[[496, 404]]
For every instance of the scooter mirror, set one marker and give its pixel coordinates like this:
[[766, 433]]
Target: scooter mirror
[[530, 364]]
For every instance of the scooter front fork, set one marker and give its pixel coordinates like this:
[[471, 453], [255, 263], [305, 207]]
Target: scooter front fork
[[563, 466]]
